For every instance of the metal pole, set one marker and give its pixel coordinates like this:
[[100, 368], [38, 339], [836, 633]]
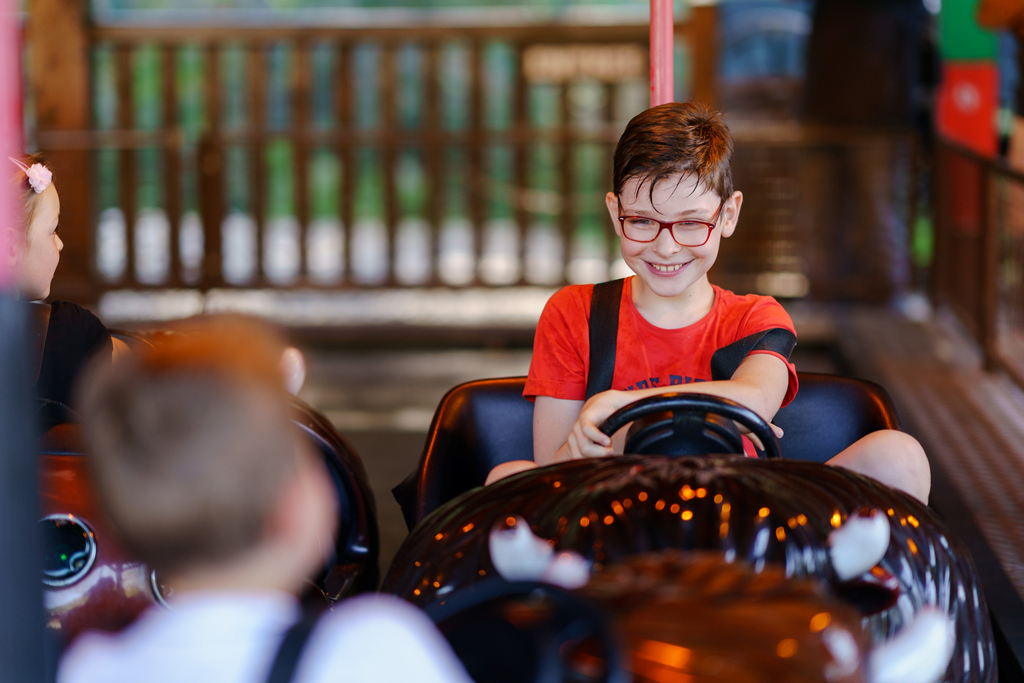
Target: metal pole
[[662, 80], [21, 599]]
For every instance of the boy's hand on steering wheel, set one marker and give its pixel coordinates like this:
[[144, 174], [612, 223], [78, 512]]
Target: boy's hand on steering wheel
[[753, 439], [586, 440]]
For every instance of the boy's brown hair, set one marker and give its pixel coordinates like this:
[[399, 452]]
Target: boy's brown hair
[[190, 442], [678, 137]]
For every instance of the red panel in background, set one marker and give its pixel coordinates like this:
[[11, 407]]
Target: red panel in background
[[967, 104], [10, 115]]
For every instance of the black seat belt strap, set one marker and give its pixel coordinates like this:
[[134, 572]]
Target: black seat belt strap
[[286, 661], [604, 328]]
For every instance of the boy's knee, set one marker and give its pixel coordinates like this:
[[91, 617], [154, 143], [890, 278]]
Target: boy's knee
[[892, 457], [906, 452]]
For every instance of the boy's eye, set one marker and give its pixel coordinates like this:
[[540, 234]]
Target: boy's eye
[[640, 222], [690, 225]]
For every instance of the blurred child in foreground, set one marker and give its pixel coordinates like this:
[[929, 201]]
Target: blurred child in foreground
[[204, 478]]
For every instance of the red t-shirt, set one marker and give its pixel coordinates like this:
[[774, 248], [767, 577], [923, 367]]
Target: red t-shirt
[[648, 356]]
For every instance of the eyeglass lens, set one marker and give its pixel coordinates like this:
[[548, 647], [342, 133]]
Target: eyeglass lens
[[686, 233]]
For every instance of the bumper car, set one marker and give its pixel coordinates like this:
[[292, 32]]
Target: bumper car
[[707, 567], [90, 582]]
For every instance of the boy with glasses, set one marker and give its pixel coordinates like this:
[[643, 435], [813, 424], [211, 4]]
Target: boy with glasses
[[673, 202]]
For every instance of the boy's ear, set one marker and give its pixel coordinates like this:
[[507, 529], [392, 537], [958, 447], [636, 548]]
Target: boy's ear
[[611, 200], [304, 516], [731, 213]]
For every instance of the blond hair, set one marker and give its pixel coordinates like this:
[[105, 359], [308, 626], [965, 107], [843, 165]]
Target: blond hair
[[191, 442]]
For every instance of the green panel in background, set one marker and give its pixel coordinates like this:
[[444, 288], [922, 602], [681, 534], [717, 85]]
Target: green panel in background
[[960, 35]]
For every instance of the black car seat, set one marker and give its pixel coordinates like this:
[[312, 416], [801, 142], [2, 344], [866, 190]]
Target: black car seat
[[483, 423]]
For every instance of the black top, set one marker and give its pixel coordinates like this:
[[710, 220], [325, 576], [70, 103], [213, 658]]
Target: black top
[[73, 336]]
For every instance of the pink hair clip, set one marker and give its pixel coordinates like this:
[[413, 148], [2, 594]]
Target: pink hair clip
[[39, 177]]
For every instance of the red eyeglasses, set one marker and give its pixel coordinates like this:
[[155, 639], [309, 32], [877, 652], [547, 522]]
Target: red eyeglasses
[[688, 233]]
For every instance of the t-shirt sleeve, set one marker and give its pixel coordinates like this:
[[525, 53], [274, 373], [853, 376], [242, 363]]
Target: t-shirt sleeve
[[561, 348], [765, 328]]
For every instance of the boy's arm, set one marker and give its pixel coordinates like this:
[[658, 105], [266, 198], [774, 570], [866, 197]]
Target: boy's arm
[[759, 383], [553, 419]]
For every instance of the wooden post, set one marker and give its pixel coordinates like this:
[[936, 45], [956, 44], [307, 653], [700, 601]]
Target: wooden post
[[704, 45], [388, 154], [988, 299], [477, 181], [435, 153], [567, 168], [343, 105], [301, 88], [520, 160], [211, 159], [258, 62], [172, 158], [127, 171], [940, 223], [58, 32]]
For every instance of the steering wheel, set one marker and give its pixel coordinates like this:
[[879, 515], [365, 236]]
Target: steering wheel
[[50, 413], [528, 631], [689, 424]]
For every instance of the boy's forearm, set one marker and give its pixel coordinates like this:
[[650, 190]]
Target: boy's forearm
[[760, 383], [745, 394], [560, 455]]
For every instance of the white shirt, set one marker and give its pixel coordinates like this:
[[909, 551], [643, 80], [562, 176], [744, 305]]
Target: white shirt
[[232, 638]]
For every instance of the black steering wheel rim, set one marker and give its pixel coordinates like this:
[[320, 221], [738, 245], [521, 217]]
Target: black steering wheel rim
[[696, 403]]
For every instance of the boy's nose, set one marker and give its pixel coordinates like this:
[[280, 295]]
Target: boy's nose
[[665, 244], [60, 244]]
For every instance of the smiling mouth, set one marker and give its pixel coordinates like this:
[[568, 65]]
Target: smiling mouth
[[667, 269]]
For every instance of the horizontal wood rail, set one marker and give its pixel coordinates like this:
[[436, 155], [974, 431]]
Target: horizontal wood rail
[[499, 157], [211, 156]]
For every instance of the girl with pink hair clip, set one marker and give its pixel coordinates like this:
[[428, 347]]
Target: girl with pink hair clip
[[69, 335]]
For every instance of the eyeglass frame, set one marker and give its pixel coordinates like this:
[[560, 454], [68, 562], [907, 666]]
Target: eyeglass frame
[[668, 225]]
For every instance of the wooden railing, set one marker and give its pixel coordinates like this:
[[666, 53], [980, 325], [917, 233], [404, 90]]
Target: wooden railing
[[978, 269], [342, 157], [207, 157]]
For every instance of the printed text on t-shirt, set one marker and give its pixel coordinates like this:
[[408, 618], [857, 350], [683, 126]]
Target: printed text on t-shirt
[[656, 382]]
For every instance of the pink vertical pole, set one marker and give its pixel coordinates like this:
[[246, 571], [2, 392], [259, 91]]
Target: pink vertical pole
[[10, 119], [662, 81]]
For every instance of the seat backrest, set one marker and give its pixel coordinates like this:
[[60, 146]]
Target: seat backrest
[[830, 412], [476, 426], [483, 423]]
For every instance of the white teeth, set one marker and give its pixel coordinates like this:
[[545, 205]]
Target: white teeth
[[667, 269]]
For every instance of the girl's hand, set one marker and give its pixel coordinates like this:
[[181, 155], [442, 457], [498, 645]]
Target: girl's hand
[[586, 440]]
